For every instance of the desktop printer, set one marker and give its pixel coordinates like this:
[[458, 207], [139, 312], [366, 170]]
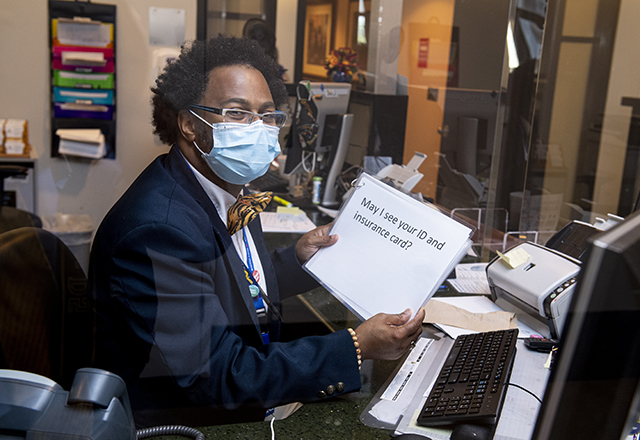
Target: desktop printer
[[539, 290]]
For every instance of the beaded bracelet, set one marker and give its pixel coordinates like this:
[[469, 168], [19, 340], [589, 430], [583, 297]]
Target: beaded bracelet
[[357, 345]]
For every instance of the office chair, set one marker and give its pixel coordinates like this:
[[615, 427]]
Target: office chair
[[13, 218], [46, 322]]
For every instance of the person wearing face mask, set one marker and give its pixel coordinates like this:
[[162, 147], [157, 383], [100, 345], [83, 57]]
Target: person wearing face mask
[[187, 296]]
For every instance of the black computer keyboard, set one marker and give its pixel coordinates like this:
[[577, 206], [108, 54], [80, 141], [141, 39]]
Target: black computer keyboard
[[473, 381]]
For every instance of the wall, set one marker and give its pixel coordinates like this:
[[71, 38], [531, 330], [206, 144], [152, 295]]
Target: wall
[[624, 81], [78, 186], [286, 21]]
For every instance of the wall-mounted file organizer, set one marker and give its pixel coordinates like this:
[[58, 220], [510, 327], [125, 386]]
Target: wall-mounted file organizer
[[83, 82]]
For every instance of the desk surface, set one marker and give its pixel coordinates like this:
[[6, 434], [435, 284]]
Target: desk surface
[[338, 418]]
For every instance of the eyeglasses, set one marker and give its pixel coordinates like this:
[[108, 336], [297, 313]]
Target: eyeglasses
[[276, 118]]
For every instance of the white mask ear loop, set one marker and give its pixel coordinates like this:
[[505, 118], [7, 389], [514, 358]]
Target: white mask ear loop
[[201, 152], [203, 120]]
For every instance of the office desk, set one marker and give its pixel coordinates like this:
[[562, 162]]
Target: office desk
[[339, 418]]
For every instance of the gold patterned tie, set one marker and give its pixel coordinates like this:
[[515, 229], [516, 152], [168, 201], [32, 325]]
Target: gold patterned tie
[[245, 209]]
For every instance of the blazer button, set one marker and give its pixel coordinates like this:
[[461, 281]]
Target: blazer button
[[340, 387], [322, 394], [331, 389]]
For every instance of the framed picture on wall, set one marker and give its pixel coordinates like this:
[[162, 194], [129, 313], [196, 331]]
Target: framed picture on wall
[[317, 38]]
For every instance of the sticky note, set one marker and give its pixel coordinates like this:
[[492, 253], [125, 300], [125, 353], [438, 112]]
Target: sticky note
[[286, 210], [515, 257]]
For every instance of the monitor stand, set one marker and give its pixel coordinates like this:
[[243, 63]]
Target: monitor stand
[[329, 198]]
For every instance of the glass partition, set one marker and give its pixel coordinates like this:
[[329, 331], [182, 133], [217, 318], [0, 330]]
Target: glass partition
[[527, 111]]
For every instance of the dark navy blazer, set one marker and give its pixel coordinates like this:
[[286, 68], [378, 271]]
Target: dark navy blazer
[[175, 317]]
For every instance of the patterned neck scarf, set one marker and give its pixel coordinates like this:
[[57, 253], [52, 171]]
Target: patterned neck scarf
[[245, 209]]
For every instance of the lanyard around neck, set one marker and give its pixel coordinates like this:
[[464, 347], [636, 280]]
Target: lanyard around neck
[[257, 293]]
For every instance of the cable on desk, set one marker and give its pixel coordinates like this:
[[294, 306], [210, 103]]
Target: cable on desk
[[525, 390], [273, 432], [169, 430]]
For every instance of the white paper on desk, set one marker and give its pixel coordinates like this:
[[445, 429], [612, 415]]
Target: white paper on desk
[[471, 278], [409, 422], [520, 409], [409, 425], [278, 222], [477, 304], [393, 252], [401, 390]]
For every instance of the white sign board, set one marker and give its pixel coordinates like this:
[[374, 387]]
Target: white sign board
[[393, 251]]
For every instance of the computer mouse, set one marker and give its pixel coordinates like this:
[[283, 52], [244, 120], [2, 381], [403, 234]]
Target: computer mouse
[[471, 432]]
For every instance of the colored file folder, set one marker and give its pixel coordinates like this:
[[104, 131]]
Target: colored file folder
[[65, 78], [85, 68], [72, 110], [70, 32], [80, 96], [83, 59], [71, 51]]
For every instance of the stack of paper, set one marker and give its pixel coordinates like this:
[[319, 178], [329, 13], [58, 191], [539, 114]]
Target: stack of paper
[[393, 251], [84, 142], [296, 222], [471, 278]]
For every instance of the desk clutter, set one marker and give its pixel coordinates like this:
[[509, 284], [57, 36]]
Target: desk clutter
[[14, 138], [83, 93]]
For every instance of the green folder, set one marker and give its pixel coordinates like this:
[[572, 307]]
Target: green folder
[[63, 78]]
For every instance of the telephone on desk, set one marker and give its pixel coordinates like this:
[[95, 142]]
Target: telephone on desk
[[95, 408]]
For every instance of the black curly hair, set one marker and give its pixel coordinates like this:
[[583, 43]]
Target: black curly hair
[[184, 80]]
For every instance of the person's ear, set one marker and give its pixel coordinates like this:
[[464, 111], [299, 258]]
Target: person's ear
[[186, 125]]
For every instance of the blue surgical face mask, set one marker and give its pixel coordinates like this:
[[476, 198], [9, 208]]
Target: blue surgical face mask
[[241, 152]]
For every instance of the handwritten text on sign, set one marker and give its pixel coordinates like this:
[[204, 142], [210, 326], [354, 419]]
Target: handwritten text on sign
[[388, 226]]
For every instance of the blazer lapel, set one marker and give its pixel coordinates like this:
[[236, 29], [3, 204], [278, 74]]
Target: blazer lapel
[[176, 165]]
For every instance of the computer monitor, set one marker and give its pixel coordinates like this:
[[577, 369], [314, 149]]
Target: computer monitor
[[330, 99], [469, 123], [593, 390], [316, 100]]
